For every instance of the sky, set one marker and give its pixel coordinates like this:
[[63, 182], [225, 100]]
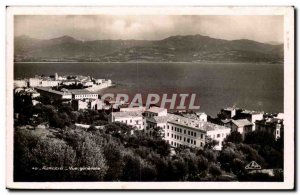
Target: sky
[[150, 27]]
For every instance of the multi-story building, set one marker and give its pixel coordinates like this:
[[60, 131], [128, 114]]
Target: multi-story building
[[193, 133], [155, 111], [251, 116], [273, 126], [179, 130], [20, 83], [132, 118], [92, 104], [243, 126], [38, 82], [83, 94]]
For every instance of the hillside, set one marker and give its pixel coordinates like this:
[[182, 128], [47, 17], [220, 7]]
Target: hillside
[[190, 48]]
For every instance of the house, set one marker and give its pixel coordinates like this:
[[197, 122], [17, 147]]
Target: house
[[155, 111], [91, 104], [273, 126], [251, 116], [20, 83], [78, 94], [243, 126], [132, 118]]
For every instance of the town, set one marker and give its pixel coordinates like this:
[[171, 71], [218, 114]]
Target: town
[[180, 128]]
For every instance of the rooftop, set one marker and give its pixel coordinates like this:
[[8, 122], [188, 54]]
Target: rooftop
[[48, 89], [230, 108], [241, 122], [226, 120], [155, 109], [80, 91], [126, 114], [270, 121], [187, 122], [252, 112], [198, 125]]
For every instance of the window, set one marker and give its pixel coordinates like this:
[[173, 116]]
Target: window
[[218, 135], [188, 132], [201, 136], [168, 134], [167, 126], [201, 144], [184, 131], [172, 128], [184, 139], [171, 142], [172, 135], [194, 142], [130, 120], [195, 134]]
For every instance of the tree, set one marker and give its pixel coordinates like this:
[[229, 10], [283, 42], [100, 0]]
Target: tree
[[211, 143], [215, 170], [114, 158], [234, 137], [261, 138]]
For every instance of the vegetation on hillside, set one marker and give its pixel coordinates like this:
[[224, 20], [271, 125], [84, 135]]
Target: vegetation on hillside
[[117, 152]]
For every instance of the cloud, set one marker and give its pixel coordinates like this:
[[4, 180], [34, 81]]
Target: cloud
[[150, 27]]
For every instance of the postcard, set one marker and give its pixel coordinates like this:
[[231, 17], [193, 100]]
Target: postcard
[[153, 98]]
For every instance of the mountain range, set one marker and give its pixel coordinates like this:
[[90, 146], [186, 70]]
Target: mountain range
[[188, 48]]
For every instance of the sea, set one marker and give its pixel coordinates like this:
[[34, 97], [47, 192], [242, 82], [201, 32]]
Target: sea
[[216, 85]]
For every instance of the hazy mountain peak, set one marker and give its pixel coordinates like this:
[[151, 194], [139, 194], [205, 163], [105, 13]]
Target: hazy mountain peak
[[65, 38], [185, 48]]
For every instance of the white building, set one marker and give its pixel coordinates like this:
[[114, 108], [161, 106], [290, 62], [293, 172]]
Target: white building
[[92, 104], [38, 82], [179, 130], [156, 111], [201, 116], [194, 133], [134, 118], [83, 94], [20, 83]]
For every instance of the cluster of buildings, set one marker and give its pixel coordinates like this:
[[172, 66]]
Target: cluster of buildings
[[177, 130], [55, 80], [193, 129], [56, 87], [180, 129], [245, 121]]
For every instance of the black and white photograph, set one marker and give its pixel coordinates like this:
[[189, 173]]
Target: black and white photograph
[[150, 97]]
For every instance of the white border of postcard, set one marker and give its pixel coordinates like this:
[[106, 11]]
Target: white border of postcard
[[289, 139]]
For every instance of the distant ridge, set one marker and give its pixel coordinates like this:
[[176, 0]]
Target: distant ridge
[[188, 48]]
